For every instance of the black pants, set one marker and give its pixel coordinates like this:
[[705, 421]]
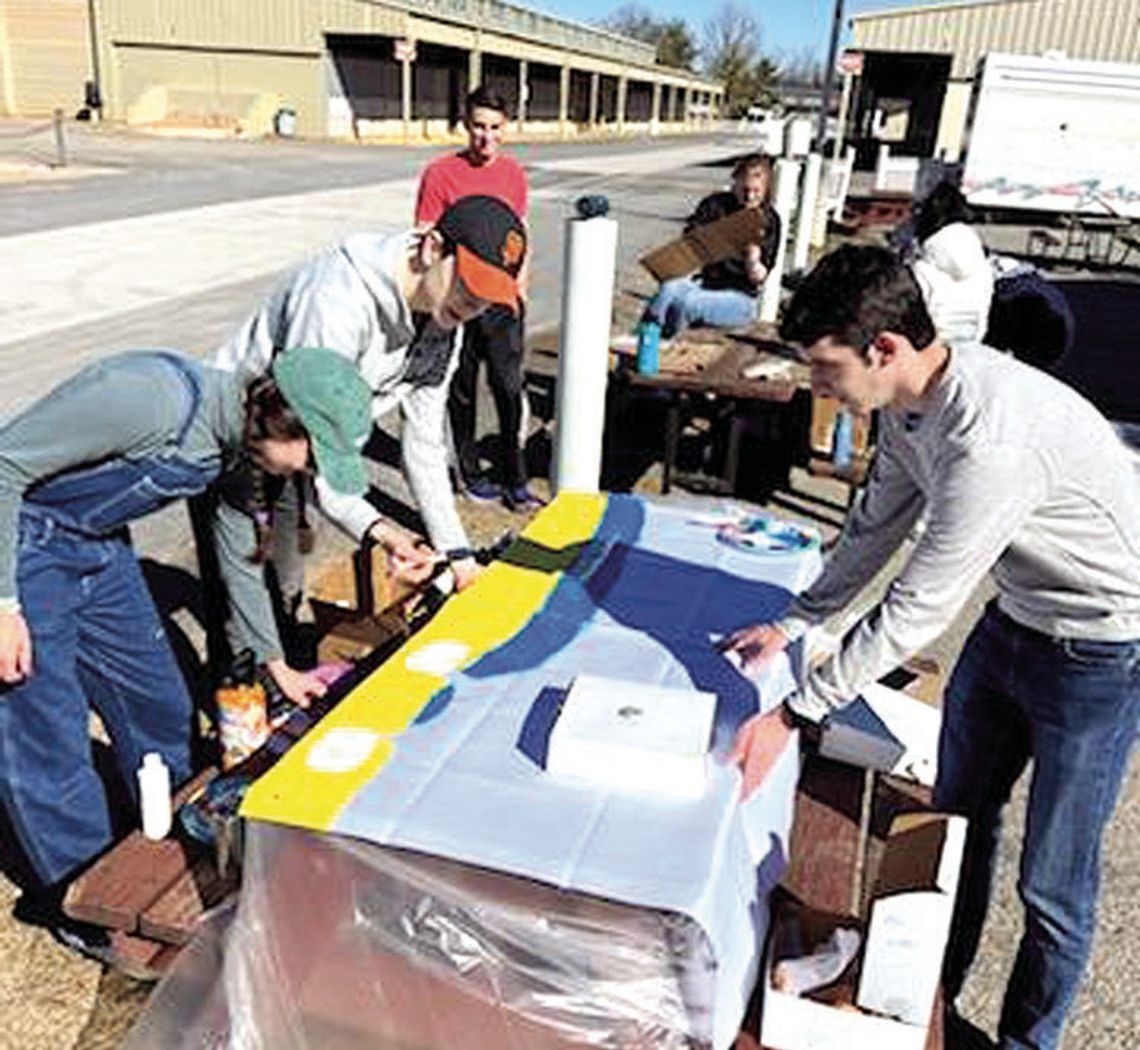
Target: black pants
[[496, 337]]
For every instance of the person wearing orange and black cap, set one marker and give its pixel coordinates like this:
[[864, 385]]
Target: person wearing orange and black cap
[[496, 337], [390, 304]]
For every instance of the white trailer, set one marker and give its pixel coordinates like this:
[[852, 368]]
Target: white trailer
[[1054, 134]]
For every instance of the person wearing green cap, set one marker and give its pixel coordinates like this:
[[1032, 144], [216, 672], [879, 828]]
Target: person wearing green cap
[[78, 628], [389, 304]]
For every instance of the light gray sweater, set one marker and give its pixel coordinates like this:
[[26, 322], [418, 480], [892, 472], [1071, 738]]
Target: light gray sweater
[[1018, 476], [347, 299]]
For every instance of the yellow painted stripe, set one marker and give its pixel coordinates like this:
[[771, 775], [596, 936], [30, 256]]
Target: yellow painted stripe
[[482, 618]]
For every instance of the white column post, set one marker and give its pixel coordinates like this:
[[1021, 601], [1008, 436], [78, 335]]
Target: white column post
[[844, 106], [588, 271], [406, 96], [563, 101], [805, 215], [785, 183]]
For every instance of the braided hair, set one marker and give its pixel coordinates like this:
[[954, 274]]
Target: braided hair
[[269, 417]]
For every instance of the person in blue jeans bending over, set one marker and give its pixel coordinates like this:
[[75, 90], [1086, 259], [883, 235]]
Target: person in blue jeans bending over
[[724, 294], [78, 628], [1018, 477]]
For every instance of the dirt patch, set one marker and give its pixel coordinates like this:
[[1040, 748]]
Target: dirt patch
[[46, 992]]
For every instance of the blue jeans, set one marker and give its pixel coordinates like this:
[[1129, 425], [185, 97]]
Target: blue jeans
[[96, 640], [1071, 706], [684, 301]]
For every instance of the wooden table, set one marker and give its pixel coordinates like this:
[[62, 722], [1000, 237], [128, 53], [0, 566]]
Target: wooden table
[[706, 364]]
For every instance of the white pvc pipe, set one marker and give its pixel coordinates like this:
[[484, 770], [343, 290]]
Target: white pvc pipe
[[583, 358], [785, 181], [805, 216]]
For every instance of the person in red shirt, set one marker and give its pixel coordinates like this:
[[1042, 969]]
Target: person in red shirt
[[496, 336]]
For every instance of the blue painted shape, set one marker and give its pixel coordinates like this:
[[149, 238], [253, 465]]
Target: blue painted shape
[[534, 737], [569, 607], [440, 702], [675, 604]]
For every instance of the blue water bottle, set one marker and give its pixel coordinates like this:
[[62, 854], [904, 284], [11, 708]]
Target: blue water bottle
[[842, 440], [648, 341]]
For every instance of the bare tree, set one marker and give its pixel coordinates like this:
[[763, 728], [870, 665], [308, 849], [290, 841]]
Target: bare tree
[[731, 46], [634, 20], [676, 46], [803, 67], [672, 38]]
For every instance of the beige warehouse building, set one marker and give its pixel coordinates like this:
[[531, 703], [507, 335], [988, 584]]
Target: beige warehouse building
[[342, 68], [920, 62]]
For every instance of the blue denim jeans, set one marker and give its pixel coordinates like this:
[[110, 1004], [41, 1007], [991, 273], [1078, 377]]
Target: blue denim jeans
[[684, 301], [1072, 707], [96, 641]]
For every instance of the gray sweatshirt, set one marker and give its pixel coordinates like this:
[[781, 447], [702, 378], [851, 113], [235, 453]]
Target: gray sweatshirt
[[116, 408], [347, 299], [1018, 476]]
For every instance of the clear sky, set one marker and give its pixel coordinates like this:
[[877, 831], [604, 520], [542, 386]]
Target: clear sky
[[790, 27]]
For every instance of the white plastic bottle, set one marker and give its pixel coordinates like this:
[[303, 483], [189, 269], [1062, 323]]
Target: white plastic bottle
[[154, 796]]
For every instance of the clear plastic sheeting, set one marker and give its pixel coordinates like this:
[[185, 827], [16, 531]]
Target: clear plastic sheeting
[[339, 944], [188, 1009]]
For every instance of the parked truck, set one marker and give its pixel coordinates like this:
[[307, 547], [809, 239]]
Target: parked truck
[[1054, 134]]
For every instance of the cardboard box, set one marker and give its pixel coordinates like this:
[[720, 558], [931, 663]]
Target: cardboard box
[[706, 244], [889, 997], [886, 730], [867, 853]]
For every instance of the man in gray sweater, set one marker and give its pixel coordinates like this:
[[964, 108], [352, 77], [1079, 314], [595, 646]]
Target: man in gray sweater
[[1018, 477]]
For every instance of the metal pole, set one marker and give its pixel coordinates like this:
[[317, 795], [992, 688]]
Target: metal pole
[[829, 75], [93, 34], [60, 144]]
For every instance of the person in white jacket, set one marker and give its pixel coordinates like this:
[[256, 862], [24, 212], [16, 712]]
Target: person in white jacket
[[390, 304], [951, 267]]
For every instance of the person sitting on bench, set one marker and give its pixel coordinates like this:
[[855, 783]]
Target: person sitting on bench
[[724, 294]]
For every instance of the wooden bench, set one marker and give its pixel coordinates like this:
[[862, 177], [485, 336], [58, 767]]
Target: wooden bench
[[150, 895]]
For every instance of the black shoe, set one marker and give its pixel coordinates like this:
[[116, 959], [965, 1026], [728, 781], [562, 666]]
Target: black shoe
[[960, 1034], [483, 490], [521, 498]]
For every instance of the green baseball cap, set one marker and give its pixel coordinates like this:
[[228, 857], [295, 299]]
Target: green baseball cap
[[334, 404]]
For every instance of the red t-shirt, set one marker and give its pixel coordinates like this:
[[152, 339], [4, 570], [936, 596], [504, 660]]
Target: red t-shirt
[[448, 178]]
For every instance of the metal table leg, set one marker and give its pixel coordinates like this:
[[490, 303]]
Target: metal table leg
[[672, 434]]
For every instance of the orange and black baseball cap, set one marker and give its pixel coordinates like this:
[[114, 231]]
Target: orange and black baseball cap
[[490, 245]]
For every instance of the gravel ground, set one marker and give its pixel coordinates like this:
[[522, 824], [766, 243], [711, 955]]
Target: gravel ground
[[53, 1000]]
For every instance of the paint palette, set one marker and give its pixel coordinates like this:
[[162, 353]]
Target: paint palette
[[766, 535]]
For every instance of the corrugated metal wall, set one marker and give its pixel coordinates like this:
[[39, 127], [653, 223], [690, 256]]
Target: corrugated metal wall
[[230, 54], [45, 56], [1096, 29]]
